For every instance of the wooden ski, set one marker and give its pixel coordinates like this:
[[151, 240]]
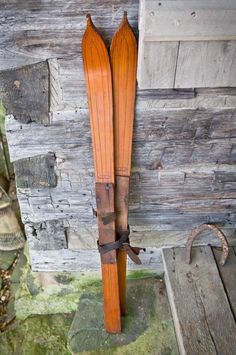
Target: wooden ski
[[123, 55], [99, 90]]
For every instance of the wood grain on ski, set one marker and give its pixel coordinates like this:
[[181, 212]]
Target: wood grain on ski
[[99, 90], [123, 56], [121, 208]]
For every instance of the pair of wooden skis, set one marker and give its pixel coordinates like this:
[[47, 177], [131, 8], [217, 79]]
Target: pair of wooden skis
[[111, 87]]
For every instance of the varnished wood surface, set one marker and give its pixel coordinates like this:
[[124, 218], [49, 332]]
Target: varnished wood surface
[[99, 90], [122, 267], [202, 315], [122, 208], [123, 54], [111, 298]]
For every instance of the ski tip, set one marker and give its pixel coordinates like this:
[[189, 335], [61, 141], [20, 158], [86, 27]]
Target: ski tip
[[125, 17], [89, 20]]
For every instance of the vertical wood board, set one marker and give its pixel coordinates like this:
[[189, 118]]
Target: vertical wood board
[[206, 64], [156, 64], [203, 319], [228, 275]]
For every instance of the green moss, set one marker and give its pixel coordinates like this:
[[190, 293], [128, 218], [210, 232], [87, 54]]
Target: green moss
[[2, 118], [60, 295], [142, 274], [147, 327], [41, 335], [55, 298]]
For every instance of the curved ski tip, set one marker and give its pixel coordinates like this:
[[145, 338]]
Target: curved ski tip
[[124, 21], [125, 17], [89, 20]]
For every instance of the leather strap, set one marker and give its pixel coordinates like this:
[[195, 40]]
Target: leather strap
[[122, 243]]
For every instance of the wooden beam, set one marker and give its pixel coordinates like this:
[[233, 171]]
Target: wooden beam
[[25, 93], [36, 172]]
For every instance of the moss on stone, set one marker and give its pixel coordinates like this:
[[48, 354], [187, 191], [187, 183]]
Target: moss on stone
[[38, 335], [147, 327], [142, 274], [60, 295]]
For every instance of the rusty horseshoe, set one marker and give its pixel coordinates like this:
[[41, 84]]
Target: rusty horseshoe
[[195, 232]]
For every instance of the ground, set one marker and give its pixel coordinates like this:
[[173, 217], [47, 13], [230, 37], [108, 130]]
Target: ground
[[63, 314]]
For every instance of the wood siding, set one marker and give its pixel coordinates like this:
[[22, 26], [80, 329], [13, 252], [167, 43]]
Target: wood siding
[[185, 44], [184, 144]]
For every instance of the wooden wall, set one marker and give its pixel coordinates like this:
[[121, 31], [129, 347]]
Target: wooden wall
[[184, 149], [195, 41]]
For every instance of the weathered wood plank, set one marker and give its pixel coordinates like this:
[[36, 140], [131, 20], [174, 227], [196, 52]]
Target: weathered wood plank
[[56, 94], [179, 196], [38, 36], [206, 64], [195, 292], [165, 94], [51, 30], [25, 93], [185, 20], [146, 236], [156, 64], [216, 91], [171, 193], [88, 260], [56, 234], [49, 235], [36, 172], [195, 132], [228, 275], [74, 91], [204, 54], [71, 77]]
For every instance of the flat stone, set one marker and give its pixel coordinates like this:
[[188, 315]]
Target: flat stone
[[147, 327], [39, 299], [41, 335]]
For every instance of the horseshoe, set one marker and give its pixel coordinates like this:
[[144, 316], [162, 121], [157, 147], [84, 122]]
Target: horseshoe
[[195, 232]]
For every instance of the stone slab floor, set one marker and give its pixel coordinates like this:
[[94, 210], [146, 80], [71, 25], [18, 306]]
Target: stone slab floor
[[52, 314]]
